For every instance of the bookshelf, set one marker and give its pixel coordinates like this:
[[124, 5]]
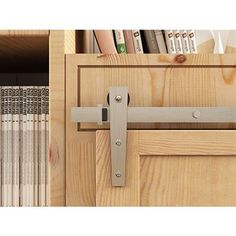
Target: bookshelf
[[43, 51], [77, 78]]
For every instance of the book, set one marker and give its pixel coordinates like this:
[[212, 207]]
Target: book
[[129, 41], [42, 163], [170, 41], [137, 41], [192, 41], [230, 42], [9, 148], [15, 146], [1, 154], [47, 145], [151, 41], [120, 41], [205, 41], [4, 101], [178, 41], [21, 147], [95, 44], [105, 41], [160, 41], [31, 149], [35, 164], [40, 138], [219, 48], [87, 42], [185, 41]]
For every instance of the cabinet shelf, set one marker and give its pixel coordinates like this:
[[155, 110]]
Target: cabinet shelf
[[24, 52]]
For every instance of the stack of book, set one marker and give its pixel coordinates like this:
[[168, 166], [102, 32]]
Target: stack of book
[[157, 41], [24, 139], [143, 41]]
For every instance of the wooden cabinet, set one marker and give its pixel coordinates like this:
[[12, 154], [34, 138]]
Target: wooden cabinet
[[43, 51], [167, 164]]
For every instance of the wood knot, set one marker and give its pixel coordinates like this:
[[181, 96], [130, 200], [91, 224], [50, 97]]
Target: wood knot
[[181, 58]]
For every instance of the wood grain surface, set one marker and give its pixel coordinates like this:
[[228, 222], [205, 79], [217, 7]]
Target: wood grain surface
[[197, 174], [153, 80], [61, 42]]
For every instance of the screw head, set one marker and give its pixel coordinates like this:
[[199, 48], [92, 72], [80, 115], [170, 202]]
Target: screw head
[[196, 114], [118, 142], [118, 174], [118, 98]]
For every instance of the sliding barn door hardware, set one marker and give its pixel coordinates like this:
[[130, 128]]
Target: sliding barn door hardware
[[118, 114]]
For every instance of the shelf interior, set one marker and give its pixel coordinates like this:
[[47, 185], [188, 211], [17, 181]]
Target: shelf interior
[[26, 53]]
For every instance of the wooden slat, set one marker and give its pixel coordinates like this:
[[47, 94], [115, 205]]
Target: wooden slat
[[198, 142], [188, 180], [80, 150], [13, 33], [80, 170], [60, 43], [144, 60]]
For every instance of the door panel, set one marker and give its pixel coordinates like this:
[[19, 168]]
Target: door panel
[[160, 87], [152, 80], [170, 168], [187, 180]]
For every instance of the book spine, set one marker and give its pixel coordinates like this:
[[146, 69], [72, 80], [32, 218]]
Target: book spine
[[185, 41], [192, 41], [170, 41], [105, 41], [1, 154], [21, 147], [4, 145], [151, 41], [178, 41], [129, 41], [27, 157], [96, 48], [9, 149], [47, 145], [42, 187], [160, 41], [39, 145], [31, 147], [36, 121], [15, 111], [25, 154], [120, 41], [137, 41]]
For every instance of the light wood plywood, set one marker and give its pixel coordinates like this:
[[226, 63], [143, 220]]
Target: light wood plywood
[[162, 171], [61, 42]]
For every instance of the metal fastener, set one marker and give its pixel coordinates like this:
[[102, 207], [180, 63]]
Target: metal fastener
[[118, 98], [196, 114], [118, 174], [118, 142]]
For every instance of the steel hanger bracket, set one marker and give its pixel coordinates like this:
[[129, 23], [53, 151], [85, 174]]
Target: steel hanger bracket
[[119, 114]]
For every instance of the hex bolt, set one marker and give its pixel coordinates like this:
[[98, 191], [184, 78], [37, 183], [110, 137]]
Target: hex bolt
[[196, 114], [118, 174], [118, 98], [118, 142]]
